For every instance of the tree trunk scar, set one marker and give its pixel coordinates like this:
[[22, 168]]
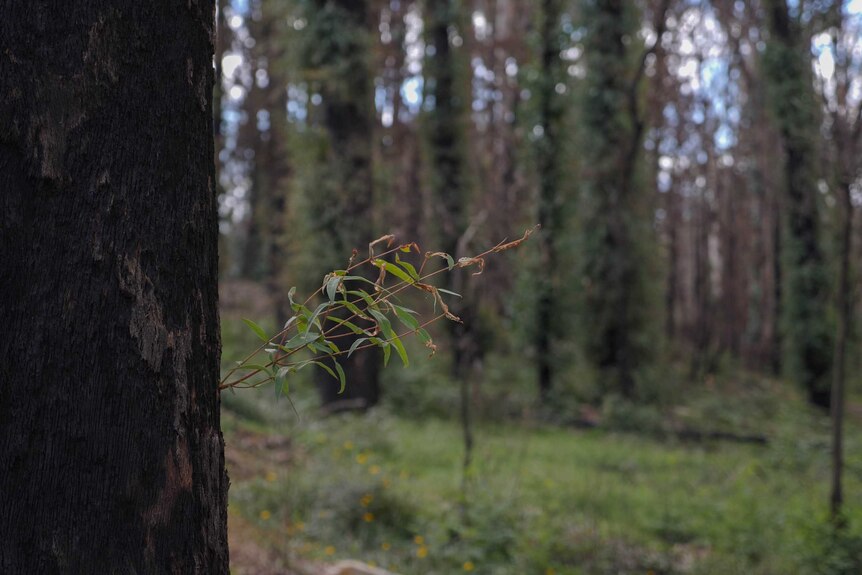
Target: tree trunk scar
[[146, 325], [178, 479]]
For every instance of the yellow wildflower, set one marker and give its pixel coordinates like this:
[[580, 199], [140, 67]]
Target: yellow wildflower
[[329, 550], [374, 469], [270, 476], [385, 546], [361, 459], [468, 566], [422, 552], [265, 514], [348, 445], [419, 540], [368, 517]]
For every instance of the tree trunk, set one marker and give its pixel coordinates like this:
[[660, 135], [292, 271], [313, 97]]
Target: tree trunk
[[348, 118], [111, 457], [807, 336], [616, 234], [845, 310], [548, 149]]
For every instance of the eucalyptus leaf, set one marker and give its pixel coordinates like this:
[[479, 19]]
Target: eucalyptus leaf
[[256, 329]]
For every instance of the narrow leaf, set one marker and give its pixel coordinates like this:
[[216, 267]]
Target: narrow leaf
[[394, 270], [448, 292], [341, 377], [408, 267], [256, 329], [402, 353], [332, 287], [356, 344], [404, 316]]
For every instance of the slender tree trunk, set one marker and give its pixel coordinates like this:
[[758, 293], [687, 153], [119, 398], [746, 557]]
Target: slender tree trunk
[[111, 457], [550, 111], [672, 288], [845, 310], [446, 137]]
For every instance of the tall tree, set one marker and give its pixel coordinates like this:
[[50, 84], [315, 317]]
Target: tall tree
[[445, 130], [616, 222], [111, 457], [270, 166], [787, 66], [551, 110], [336, 57], [845, 129]]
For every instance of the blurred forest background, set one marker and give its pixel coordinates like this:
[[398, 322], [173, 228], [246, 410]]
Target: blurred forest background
[[653, 383]]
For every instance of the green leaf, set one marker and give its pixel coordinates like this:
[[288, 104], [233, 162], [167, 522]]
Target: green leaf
[[387, 351], [296, 307], [341, 377], [316, 347], [355, 345], [282, 387], [402, 353], [383, 322], [256, 329], [364, 295], [405, 317], [386, 328], [354, 310], [394, 270], [423, 335], [313, 319], [348, 324], [408, 267], [359, 279], [332, 287], [299, 340], [326, 368]]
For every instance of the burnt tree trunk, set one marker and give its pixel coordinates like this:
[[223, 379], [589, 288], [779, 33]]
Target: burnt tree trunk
[[111, 457]]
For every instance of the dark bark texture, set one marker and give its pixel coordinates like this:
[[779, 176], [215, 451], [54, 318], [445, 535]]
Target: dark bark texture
[[111, 458]]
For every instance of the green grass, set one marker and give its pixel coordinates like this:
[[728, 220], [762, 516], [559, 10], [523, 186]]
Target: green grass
[[541, 498]]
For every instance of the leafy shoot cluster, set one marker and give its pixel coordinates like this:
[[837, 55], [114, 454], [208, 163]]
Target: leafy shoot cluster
[[350, 307]]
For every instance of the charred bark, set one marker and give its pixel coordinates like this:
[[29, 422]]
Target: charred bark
[[111, 457]]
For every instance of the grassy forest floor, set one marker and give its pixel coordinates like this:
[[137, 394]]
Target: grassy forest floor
[[733, 480]]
